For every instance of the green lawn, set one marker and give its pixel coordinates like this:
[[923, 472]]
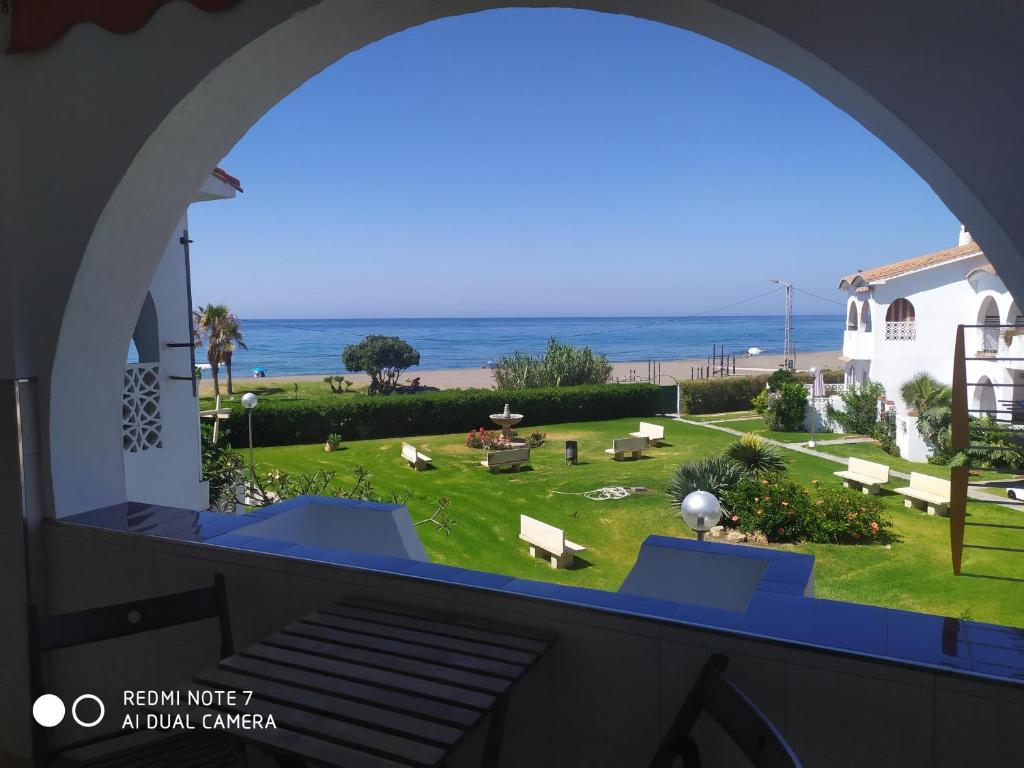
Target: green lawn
[[272, 390], [872, 452], [914, 574], [705, 417], [757, 426]]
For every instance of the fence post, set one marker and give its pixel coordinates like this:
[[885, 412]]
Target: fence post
[[960, 440]]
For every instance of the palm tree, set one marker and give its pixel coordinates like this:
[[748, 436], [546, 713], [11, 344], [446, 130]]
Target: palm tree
[[923, 392], [231, 339], [209, 323]]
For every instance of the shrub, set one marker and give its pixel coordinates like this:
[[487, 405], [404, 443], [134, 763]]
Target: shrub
[[783, 409], [780, 377], [290, 422], [995, 445], [561, 365], [885, 433], [383, 358], [714, 474], [334, 439], [785, 512], [338, 384], [483, 438], [860, 408], [536, 439], [719, 395], [759, 459], [223, 469]]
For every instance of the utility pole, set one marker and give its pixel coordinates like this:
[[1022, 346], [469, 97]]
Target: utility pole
[[787, 344]]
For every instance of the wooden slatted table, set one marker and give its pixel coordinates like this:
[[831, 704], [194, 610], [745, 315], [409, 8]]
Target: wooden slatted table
[[376, 687]]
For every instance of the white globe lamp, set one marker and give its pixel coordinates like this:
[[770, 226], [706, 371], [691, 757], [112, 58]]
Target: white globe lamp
[[701, 511]]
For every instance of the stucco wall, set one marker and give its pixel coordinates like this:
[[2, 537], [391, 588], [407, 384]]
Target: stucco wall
[[151, 112], [171, 474]]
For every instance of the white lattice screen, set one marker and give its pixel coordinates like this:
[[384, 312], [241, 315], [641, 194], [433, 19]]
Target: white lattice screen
[[140, 407]]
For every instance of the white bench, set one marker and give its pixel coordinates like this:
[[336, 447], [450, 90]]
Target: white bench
[[869, 475], [623, 445], [654, 433], [548, 542], [414, 457], [510, 457], [924, 490]]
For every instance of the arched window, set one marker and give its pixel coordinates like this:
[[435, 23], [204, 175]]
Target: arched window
[[900, 311], [865, 317], [988, 316], [985, 398], [851, 317], [900, 321]]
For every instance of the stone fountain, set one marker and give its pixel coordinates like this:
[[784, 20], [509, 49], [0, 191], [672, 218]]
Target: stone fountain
[[506, 420]]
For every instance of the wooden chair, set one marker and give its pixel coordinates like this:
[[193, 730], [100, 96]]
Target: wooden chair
[[127, 749], [732, 709]]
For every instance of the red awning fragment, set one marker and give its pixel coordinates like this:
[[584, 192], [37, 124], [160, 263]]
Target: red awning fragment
[[35, 24]]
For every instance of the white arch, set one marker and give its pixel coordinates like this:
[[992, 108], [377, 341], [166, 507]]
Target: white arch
[[984, 401], [242, 63], [851, 315]]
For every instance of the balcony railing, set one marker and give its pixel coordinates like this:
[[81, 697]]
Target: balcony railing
[[902, 330]]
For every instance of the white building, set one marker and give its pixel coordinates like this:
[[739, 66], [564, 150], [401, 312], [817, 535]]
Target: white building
[[902, 318], [160, 409]]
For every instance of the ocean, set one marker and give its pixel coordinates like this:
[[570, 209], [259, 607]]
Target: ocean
[[294, 347]]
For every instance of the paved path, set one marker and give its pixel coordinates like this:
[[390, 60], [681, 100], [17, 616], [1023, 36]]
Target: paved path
[[972, 493], [846, 441]]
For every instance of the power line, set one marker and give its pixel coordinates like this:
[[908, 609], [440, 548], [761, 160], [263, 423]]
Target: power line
[[816, 296]]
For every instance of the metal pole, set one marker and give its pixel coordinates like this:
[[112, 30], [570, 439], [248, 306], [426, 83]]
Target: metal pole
[[252, 465]]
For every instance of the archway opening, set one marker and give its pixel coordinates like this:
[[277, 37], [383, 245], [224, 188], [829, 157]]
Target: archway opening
[[988, 317], [985, 400], [851, 317]]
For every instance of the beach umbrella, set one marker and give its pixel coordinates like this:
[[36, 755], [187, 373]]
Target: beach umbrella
[[818, 387], [754, 351]]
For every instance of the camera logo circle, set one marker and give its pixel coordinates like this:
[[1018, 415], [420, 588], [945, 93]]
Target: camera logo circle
[[88, 723], [48, 710]]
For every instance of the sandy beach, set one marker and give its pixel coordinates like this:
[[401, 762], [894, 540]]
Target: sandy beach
[[466, 378]]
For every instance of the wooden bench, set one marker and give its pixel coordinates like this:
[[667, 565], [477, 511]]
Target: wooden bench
[[548, 542], [870, 476], [930, 492], [416, 459], [623, 445], [654, 433], [509, 457]]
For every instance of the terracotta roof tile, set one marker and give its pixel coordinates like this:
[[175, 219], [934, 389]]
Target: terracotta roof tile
[[898, 268]]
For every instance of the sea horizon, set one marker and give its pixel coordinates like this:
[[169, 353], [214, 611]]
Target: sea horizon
[[308, 346]]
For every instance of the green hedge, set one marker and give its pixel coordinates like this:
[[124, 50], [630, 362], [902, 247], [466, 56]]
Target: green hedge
[[733, 393], [291, 422], [719, 395]]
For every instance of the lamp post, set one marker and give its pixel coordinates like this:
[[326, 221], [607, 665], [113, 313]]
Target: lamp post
[[701, 511], [814, 406], [249, 401]]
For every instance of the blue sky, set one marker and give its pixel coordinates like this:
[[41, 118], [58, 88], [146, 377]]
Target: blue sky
[[549, 163]]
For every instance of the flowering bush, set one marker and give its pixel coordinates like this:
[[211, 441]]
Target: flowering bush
[[536, 439], [484, 438], [786, 512]]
